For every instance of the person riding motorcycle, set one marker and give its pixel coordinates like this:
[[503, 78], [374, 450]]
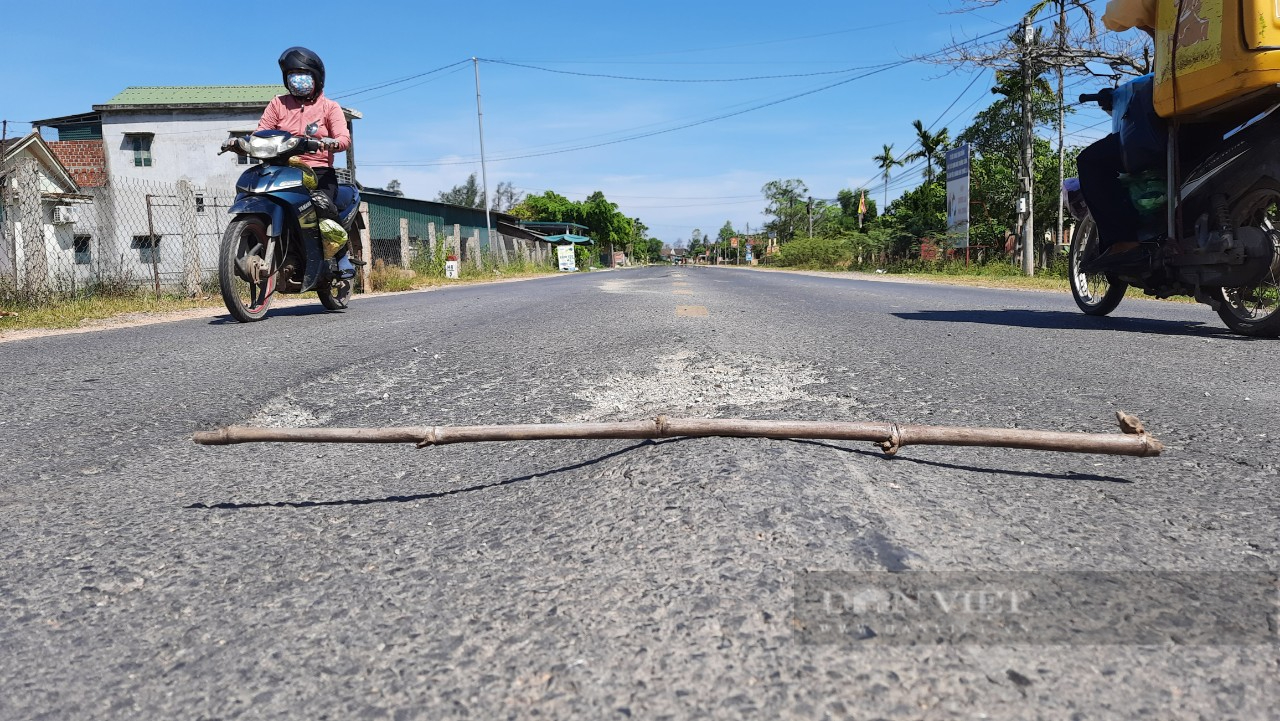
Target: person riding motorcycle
[[305, 111], [1101, 164]]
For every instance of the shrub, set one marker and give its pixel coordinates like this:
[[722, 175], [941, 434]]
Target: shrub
[[384, 278], [816, 253]]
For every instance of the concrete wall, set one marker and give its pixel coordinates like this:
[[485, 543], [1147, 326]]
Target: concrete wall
[[184, 147]]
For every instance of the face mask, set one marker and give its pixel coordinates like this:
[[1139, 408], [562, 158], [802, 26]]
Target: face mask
[[300, 84]]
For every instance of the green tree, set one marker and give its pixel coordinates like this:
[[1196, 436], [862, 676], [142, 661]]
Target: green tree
[[548, 207], [995, 141], [467, 194], [697, 243], [505, 197], [726, 232], [849, 201], [786, 206]]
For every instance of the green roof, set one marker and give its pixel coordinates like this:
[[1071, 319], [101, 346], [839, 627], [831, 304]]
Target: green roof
[[196, 94]]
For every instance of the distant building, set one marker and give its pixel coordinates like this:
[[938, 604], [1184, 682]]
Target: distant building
[[463, 229]]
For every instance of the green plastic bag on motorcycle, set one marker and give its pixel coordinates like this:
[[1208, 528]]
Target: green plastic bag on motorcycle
[[332, 236], [1147, 191]]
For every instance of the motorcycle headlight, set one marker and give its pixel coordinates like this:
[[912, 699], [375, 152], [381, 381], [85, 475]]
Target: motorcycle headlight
[[263, 148], [289, 144]]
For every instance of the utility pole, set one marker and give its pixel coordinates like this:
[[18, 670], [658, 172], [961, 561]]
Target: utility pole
[[1028, 161], [484, 175], [810, 211], [1062, 153]]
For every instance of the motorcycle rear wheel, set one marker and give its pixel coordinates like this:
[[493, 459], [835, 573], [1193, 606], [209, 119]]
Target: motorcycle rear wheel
[[334, 294], [243, 245], [1094, 293], [1255, 310]]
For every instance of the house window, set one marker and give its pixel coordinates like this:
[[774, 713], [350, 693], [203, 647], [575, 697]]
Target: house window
[[83, 253], [140, 144], [199, 202], [148, 247], [244, 159]]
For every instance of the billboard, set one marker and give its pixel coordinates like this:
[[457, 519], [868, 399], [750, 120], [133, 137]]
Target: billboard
[[958, 197]]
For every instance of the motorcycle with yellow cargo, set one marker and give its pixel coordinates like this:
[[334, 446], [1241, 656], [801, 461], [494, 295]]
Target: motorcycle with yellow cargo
[[282, 238], [1216, 90]]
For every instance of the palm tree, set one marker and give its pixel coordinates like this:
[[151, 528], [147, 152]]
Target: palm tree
[[886, 161], [932, 147]]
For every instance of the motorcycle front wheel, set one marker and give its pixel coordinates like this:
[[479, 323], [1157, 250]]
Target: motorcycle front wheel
[[1255, 310], [240, 260], [1094, 293], [334, 294]]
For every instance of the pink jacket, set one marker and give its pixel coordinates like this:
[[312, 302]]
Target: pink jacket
[[289, 113]]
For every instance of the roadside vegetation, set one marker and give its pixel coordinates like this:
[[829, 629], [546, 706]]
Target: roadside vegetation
[[101, 302]]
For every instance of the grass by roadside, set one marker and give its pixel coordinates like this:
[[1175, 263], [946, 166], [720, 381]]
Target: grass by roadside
[[987, 276], [63, 313], [77, 312]]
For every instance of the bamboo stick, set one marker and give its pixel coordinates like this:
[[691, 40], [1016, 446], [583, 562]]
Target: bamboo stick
[[1132, 441]]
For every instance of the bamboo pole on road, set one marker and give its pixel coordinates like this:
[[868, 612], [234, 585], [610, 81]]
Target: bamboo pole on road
[[1132, 441]]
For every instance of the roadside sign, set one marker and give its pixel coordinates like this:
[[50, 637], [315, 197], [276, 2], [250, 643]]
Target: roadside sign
[[958, 197], [564, 254]]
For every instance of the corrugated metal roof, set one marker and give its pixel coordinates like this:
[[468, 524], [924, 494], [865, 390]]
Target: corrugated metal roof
[[195, 94]]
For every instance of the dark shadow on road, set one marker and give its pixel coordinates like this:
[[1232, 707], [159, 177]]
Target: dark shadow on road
[[974, 469], [436, 494], [1065, 320], [293, 310]]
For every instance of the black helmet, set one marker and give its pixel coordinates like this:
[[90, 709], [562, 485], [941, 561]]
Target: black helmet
[[299, 58]]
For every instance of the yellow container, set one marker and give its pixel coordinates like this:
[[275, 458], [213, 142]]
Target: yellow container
[[1228, 54]]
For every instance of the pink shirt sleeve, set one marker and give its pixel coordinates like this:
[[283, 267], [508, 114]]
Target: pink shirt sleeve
[[337, 124], [271, 116]]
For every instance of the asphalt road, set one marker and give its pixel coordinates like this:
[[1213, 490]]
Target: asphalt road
[[145, 577]]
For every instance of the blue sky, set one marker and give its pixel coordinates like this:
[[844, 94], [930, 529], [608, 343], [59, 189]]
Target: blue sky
[[423, 132]]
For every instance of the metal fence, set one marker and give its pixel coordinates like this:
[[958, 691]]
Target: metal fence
[[134, 235], [127, 235]]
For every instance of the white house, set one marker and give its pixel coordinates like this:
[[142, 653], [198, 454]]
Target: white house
[[40, 202]]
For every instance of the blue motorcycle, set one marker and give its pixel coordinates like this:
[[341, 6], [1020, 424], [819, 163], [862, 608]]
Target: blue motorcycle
[[274, 242]]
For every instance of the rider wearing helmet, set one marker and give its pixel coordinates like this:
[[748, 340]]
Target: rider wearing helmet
[[306, 111]]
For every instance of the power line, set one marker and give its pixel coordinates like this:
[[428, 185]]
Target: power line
[[689, 80], [389, 83], [685, 126], [455, 71], [875, 70]]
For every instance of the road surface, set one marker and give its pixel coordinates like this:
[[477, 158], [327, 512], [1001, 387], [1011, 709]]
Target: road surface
[[142, 576]]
